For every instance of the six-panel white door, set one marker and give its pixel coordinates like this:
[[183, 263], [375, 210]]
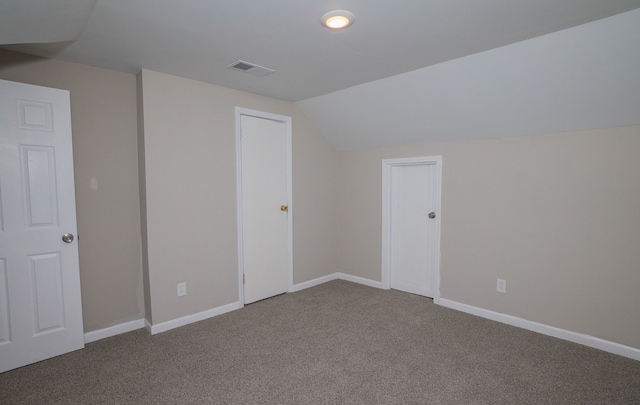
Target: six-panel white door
[[40, 303], [413, 233], [265, 208]]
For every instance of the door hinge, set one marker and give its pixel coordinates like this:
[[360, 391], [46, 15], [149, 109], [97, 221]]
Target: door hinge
[[242, 278]]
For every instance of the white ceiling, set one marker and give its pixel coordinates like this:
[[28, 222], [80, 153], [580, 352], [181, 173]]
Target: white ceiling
[[406, 71], [29, 21], [585, 77], [198, 38]]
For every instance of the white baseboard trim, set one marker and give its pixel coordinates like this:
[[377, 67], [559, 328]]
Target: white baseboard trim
[[312, 283], [336, 276], [575, 337], [199, 316], [360, 280], [113, 330]]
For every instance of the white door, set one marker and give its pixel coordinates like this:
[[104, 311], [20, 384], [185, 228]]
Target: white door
[[265, 207], [413, 226], [40, 306]]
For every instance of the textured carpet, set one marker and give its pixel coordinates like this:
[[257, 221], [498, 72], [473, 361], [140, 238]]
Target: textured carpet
[[337, 343]]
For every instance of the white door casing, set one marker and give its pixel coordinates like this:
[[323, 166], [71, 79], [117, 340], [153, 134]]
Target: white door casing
[[410, 238], [264, 187], [40, 302]]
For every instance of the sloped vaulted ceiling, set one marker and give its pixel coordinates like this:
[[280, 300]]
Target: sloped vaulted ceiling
[[586, 77]]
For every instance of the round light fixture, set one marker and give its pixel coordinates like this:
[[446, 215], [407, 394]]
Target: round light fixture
[[338, 19]]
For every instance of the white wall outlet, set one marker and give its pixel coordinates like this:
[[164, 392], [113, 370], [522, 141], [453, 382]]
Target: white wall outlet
[[501, 286], [182, 289]]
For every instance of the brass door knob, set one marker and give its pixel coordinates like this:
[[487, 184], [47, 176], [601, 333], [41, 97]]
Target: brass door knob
[[284, 208]]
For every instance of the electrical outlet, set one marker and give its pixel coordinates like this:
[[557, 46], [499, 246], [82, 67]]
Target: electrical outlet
[[182, 289], [501, 286]]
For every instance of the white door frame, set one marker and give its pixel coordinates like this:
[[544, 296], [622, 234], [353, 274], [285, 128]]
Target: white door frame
[[387, 165], [287, 121]]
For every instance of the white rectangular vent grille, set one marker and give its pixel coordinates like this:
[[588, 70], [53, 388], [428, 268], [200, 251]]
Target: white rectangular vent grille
[[250, 68]]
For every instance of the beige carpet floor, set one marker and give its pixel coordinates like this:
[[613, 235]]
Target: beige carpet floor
[[337, 343]]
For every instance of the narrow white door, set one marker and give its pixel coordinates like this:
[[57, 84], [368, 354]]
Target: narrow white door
[[413, 230], [40, 305], [265, 208]]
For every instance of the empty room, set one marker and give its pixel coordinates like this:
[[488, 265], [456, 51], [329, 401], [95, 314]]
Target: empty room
[[366, 202]]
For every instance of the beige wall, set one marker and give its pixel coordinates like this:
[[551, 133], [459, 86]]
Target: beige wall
[[190, 176], [103, 112], [315, 200], [555, 215]]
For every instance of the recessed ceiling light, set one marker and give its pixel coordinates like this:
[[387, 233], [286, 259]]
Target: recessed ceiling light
[[338, 19]]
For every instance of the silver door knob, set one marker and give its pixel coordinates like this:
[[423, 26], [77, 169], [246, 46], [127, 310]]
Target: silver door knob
[[432, 215], [67, 238]]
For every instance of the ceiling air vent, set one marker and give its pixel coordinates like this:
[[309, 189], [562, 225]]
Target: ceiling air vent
[[250, 68]]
